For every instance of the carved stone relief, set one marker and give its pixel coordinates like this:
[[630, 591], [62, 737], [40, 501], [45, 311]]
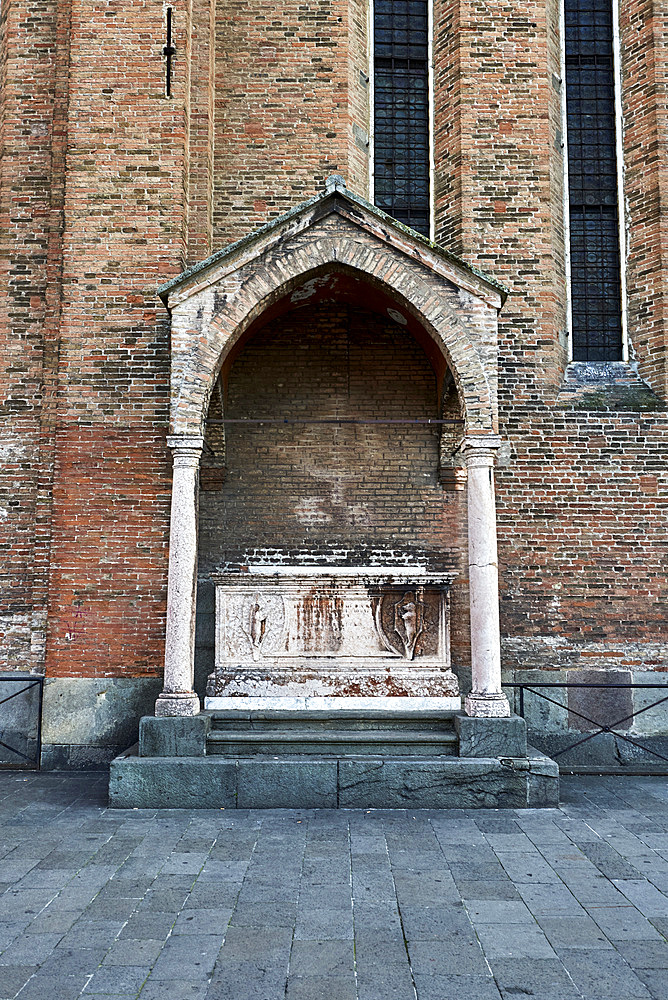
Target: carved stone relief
[[363, 631]]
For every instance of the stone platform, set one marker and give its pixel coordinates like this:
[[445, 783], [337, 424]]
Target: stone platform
[[313, 758]]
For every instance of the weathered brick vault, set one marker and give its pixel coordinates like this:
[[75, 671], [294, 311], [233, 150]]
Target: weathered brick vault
[[109, 188]]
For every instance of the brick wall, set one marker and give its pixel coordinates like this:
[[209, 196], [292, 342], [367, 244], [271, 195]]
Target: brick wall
[[124, 231], [582, 513], [582, 500], [644, 40], [30, 191], [291, 107], [107, 189]]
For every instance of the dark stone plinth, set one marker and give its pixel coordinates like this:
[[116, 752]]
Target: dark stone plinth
[[175, 736], [400, 784], [600, 705], [491, 737], [286, 782], [171, 782]]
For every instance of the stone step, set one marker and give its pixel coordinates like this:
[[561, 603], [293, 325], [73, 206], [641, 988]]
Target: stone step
[[284, 781], [340, 742], [327, 722]]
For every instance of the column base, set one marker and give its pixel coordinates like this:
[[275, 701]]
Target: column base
[[172, 703], [487, 706]]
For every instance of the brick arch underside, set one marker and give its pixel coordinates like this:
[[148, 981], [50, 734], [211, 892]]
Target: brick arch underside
[[243, 301]]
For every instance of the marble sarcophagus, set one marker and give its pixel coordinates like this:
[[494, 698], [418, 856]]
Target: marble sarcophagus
[[363, 632]]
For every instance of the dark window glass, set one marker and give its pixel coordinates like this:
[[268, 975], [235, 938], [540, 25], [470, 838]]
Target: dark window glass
[[592, 181], [401, 111]]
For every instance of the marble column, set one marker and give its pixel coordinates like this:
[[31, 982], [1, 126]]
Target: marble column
[[178, 697], [486, 699]]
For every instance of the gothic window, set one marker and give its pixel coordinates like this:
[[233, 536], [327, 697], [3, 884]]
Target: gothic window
[[401, 111], [592, 181]]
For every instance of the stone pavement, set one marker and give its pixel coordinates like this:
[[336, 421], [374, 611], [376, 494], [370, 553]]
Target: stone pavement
[[252, 905]]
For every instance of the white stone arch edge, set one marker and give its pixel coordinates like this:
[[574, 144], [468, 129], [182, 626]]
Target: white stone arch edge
[[466, 337]]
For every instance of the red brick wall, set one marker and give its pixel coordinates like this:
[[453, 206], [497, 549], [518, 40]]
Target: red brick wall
[[644, 40], [582, 546], [124, 233], [288, 93], [106, 190], [30, 189], [498, 170]]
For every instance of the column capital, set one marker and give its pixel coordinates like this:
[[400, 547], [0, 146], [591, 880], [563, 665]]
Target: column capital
[[185, 442], [480, 450], [186, 448]]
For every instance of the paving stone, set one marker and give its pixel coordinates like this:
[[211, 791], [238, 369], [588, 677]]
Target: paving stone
[[13, 977], [165, 900], [478, 871], [321, 987], [644, 954], [270, 945], [117, 979], [498, 911], [47, 986], [29, 949], [608, 861], [174, 989], [573, 932], [264, 914], [393, 983], [125, 888], [148, 926], [656, 982], [73, 961], [204, 921], [551, 900], [372, 951], [327, 924], [255, 891], [242, 981], [380, 920], [455, 987], [645, 897], [452, 956], [623, 923], [337, 896], [495, 889], [195, 955], [513, 940], [530, 977], [602, 974], [140, 896], [527, 868], [92, 933], [594, 891], [329, 958], [435, 922], [111, 909], [127, 952]]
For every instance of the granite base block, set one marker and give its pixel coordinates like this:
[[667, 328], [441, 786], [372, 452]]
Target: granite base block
[[263, 782], [603, 750], [491, 737], [171, 782], [431, 784], [286, 784], [175, 736], [542, 781]]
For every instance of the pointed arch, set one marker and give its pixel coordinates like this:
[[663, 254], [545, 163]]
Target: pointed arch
[[458, 325]]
